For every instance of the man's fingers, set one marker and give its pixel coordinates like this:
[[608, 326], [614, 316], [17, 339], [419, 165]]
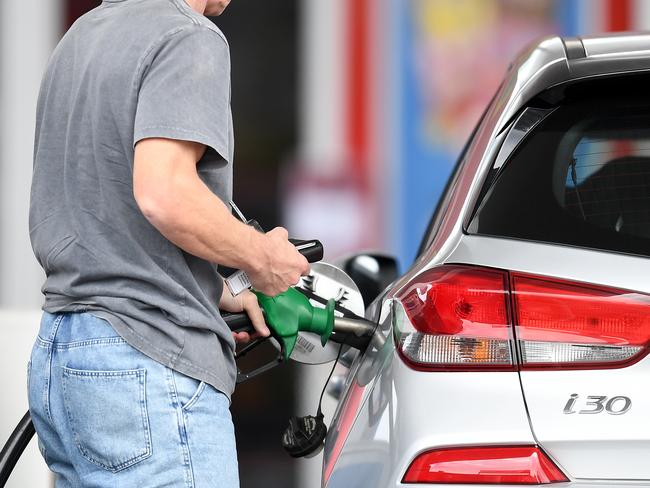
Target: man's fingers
[[284, 233], [257, 318], [306, 268], [241, 337]]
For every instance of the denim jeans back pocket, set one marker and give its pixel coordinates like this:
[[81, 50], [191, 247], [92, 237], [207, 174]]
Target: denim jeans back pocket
[[108, 416], [187, 390]]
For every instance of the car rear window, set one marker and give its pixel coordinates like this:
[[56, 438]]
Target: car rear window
[[581, 177]]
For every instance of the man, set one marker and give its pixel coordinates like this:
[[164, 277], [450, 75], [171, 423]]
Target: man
[[131, 374]]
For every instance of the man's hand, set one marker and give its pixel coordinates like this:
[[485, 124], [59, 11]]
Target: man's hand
[[246, 301], [282, 265]]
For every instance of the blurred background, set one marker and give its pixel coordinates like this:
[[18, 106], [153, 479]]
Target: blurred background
[[348, 115]]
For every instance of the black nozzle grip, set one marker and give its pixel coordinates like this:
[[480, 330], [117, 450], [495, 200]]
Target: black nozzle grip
[[238, 322], [312, 249]]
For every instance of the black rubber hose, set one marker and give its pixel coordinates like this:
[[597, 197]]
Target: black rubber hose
[[14, 447]]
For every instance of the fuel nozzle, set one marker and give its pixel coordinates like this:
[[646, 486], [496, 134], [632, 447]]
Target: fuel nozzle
[[290, 312]]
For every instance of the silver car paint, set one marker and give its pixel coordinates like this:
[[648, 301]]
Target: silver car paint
[[403, 411]]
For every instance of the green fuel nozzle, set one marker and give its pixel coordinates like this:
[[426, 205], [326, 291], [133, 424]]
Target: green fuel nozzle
[[290, 312]]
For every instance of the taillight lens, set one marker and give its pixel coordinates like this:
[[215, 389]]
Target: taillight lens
[[454, 317], [465, 318], [485, 465], [562, 324]]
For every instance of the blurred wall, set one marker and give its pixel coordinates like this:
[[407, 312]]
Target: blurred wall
[[28, 32]]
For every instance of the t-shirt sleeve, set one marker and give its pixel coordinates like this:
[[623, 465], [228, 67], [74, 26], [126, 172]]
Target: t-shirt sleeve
[[185, 91]]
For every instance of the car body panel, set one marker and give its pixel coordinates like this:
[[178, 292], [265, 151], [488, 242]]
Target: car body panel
[[592, 445], [572, 263]]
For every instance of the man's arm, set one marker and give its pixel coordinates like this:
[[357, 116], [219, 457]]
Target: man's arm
[[173, 198]]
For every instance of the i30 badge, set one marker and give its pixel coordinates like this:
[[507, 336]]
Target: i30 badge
[[594, 404]]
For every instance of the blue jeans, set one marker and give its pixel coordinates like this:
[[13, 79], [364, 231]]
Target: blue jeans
[[106, 415]]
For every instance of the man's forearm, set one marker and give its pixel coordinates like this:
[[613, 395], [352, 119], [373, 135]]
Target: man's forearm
[[198, 222], [175, 201]]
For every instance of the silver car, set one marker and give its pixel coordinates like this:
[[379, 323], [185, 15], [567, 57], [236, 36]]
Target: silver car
[[513, 351]]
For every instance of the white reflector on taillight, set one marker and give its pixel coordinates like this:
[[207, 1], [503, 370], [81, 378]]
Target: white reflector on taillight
[[440, 349], [552, 353], [455, 318]]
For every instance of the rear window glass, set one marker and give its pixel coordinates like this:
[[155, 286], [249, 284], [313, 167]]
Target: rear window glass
[[582, 178]]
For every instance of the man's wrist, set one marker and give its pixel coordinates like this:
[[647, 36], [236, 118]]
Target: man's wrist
[[255, 260]]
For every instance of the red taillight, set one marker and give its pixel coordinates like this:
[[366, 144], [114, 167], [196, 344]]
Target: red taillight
[[458, 318], [459, 301], [559, 323], [455, 317], [485, 465]]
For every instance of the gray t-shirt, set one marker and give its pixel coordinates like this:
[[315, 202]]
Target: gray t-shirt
[[126, 71]]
